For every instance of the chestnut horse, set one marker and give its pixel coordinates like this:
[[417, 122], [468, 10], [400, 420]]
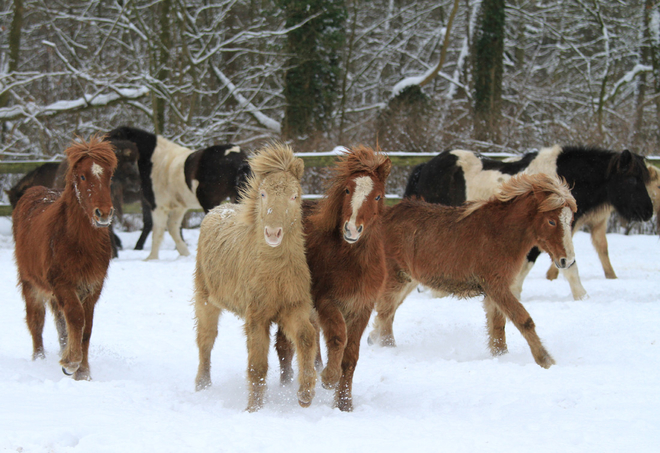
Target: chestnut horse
[[251, 261], [477, 248], [346, 257], [63, 251]]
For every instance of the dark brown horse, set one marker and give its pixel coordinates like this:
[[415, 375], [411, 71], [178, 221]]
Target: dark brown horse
[[63, 251], [346, 258], [477, 248]]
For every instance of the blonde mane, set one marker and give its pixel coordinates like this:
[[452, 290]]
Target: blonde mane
[[559, 194]]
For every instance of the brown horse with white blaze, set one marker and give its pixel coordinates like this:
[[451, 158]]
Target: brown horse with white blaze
[[346, 257], [251, 261], [63, 251], [477, 248]]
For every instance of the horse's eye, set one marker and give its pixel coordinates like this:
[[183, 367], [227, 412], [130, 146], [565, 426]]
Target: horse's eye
[[552, 222], [348, 191], [294, 197], [378, 198], [263, 194], [82, 177]]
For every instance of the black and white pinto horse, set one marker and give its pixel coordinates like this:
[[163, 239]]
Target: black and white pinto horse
[[176, 179], [601, 181]]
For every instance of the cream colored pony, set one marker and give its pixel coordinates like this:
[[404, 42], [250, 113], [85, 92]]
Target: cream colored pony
[[251, 261]]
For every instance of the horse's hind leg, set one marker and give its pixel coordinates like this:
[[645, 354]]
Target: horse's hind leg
[[296, 325], [159, 221], [394, 295], [35, 314], [514, 310], [496, 322], [258, 342], [174, 220], [206, 315], [285, 351]]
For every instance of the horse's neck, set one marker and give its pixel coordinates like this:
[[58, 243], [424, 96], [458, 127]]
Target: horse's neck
[[514, 220]]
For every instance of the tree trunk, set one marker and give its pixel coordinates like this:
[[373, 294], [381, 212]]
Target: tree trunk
[[488, 68], [14, 52]]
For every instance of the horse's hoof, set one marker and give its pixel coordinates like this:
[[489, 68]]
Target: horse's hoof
[[67, 373], [305, 397], [371, 342]]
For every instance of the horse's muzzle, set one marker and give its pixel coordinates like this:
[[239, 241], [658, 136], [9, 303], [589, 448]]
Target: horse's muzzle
[[101, 221], [564, 263], [351, 233]]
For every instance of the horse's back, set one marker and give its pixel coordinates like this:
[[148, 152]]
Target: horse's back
[[34, 223], [168, 176]]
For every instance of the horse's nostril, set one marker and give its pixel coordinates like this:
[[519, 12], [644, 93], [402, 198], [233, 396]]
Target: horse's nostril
[[563, 262], [97, 212], [279, 232], [360, 228]]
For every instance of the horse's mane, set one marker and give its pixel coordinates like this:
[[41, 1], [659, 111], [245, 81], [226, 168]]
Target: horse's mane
[[273, 157], [360, 159], [636, 167], [99, 150], [559, 194]]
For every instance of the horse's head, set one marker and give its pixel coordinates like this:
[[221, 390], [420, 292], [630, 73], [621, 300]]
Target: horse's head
[[276, 193], [91, 166], [360, 182], [553, 220], [626, 186], [127, 174]]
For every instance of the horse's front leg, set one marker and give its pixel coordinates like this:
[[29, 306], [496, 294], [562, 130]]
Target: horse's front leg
[[599, 241], [355, 329], [258, 341], [514, 310], [334, 330], [74, 314], [284, 348], [573, 276], [82, 373], [206, 325], [296, 326]]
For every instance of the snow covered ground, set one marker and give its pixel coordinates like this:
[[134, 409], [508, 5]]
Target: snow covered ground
[[439, 390]]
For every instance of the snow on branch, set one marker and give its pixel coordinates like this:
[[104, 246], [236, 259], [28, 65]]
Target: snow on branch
[[263, 119], [627, 78], [72, 106]]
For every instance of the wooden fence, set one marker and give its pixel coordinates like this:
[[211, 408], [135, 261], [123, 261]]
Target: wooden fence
[[312, 160]]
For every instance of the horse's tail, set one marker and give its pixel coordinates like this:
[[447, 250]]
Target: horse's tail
[[413, 180]]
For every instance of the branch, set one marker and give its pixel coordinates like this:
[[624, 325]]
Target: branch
[[263, 119], [77, 105]]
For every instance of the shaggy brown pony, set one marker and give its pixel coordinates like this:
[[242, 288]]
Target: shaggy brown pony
[[477, 248], [346, 257], [251, 261], [63, 251]]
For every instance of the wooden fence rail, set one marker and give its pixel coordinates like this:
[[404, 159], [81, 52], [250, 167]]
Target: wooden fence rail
[[312, 160]]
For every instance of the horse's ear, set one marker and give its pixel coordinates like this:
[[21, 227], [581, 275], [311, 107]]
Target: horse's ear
[[297, 168], [626, 159], [384, 169]]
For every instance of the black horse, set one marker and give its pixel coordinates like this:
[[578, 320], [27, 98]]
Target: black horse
[[601, 181]]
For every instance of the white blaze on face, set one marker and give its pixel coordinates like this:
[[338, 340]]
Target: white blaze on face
[[363, 187], [97, 170], [565, 218]]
